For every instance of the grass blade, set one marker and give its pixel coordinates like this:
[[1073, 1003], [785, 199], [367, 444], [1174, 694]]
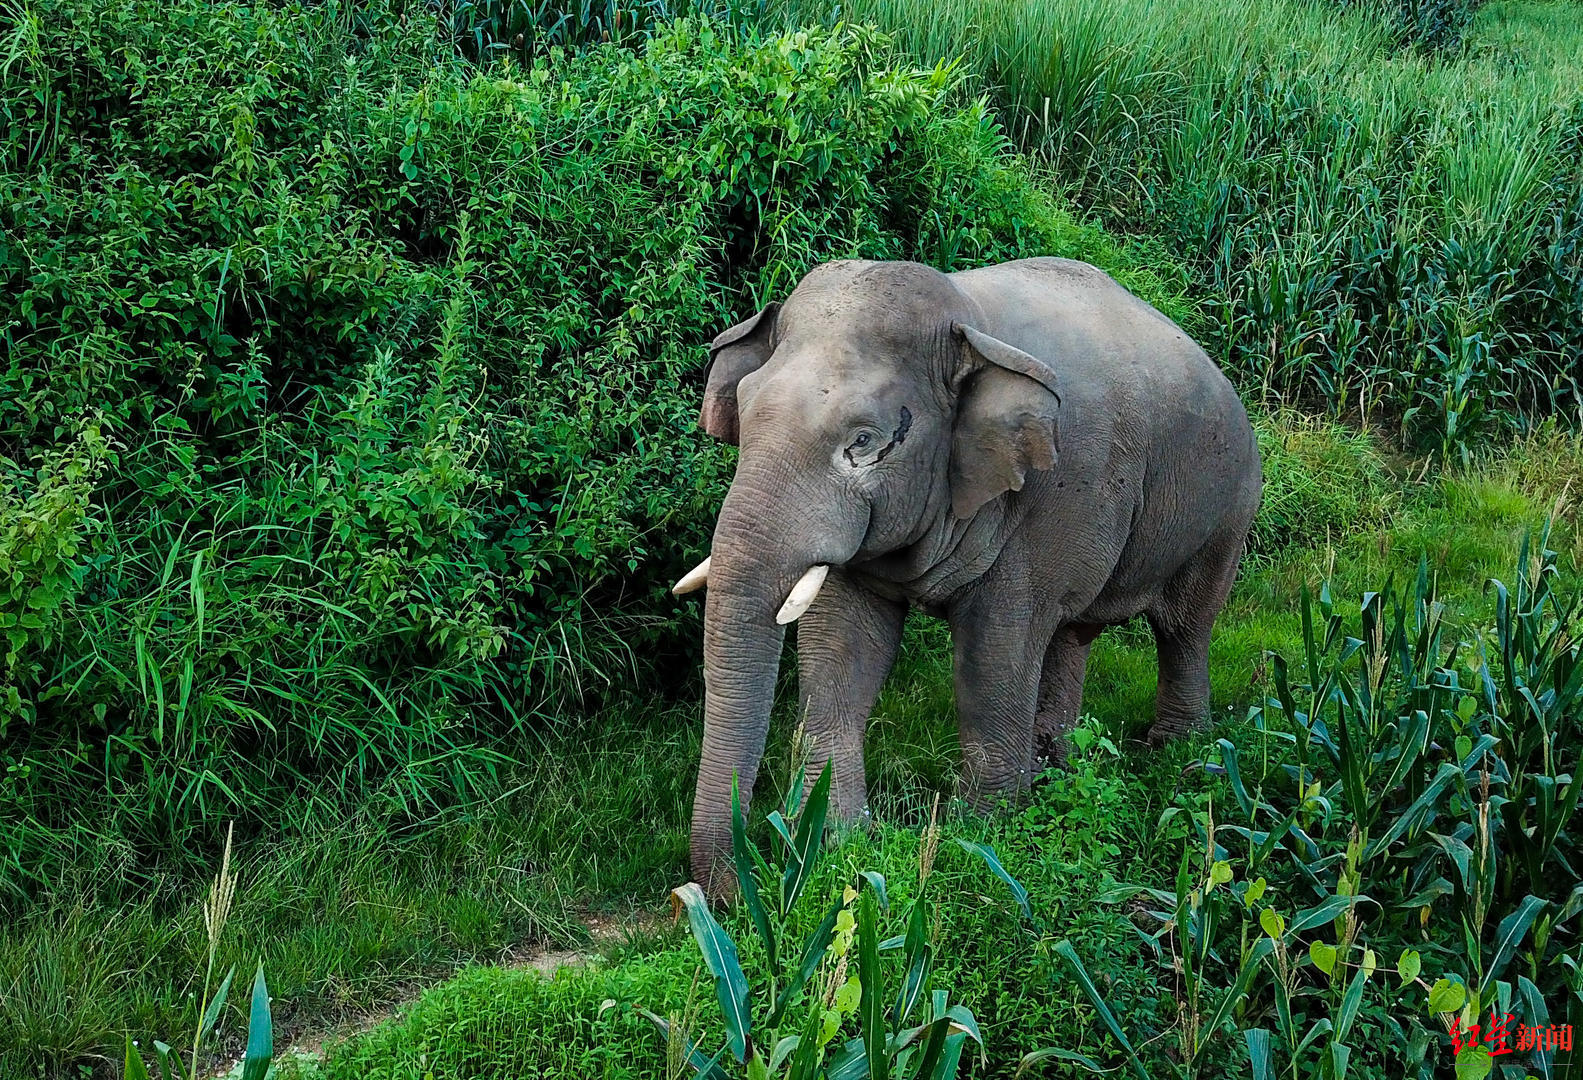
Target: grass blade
[[743, 853], [987, 853], [212, 1013], [1064, 950], [871, 1007]]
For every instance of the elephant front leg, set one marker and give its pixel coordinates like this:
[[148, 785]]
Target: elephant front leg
[[846, 644], [998, 664]]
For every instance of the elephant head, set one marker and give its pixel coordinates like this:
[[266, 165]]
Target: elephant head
[[868, 407]]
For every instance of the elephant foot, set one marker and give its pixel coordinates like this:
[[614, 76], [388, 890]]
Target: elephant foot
[[1166, 728]]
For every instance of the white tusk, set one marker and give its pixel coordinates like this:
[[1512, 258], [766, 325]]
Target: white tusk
[[693, 580], [802, 594]]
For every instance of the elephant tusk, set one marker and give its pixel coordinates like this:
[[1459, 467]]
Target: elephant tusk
[[802, 594], [693, 580]]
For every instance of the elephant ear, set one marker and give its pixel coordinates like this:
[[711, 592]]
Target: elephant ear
[[737, 352], [1007, 420]]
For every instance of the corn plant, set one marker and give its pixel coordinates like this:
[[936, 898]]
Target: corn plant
[[809, 990], [1414, 803]]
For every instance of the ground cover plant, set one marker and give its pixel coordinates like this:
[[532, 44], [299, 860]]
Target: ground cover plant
[[351, 914]]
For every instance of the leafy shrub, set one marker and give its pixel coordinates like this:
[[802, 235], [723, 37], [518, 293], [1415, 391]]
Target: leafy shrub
[[1428, 25], [521, 29], [347, 418]]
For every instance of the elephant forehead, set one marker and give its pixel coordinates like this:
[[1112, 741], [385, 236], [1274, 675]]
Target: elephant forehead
[[893, 304], [821, 386]]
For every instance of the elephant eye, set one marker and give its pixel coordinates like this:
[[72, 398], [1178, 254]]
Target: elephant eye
[[862, 440]]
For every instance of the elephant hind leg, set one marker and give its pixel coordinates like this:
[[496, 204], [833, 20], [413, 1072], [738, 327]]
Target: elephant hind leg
[[1061, 691], [1182, 623]]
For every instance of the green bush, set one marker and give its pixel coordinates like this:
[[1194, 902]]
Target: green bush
[[346, 425]]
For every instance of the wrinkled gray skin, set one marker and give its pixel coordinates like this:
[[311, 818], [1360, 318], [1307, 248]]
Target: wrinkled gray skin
[[1026, 450]]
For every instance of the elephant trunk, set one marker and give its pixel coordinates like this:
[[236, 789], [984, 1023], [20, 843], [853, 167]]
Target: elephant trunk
[[763, 549]]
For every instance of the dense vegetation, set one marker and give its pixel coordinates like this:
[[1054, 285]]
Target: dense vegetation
[[1384, 232], [347, 421], [346, 445]]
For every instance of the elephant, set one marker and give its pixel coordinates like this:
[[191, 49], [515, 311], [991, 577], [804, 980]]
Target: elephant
[[1026, 450]]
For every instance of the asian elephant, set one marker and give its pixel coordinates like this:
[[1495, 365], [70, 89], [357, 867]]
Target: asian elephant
[[1027, 450]]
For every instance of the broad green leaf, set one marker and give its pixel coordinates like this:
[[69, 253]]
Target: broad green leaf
[[1228, 757], [1340, 1053], [1064, 950], [809, 841], [919, 959], [876, 881], [1323, 912], [1446, 996], [720, 957], [987, 853], [1350, 1003], [1255, 891], [1513, 929], [962, 1017], [1272, 922], [950, 1059], [1219, 873], [1039, 1057], [782, 1050], [933, 1045], [163, 1055], [1474, 1063], [1239, 990], [1323, 956], [1370, 963], [1408, 967], [1414, 814], [260, 1032], [212, 1013], [813, 952], [1258, 1040]]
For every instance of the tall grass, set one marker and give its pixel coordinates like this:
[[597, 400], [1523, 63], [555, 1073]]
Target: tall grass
[[1377, 230]]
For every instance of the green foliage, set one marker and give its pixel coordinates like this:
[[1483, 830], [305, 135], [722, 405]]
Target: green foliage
[[1427, 25], [1413, 807], [1321, 481], [347, 425], [812, 991], [1370, 230], [523, 29]]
